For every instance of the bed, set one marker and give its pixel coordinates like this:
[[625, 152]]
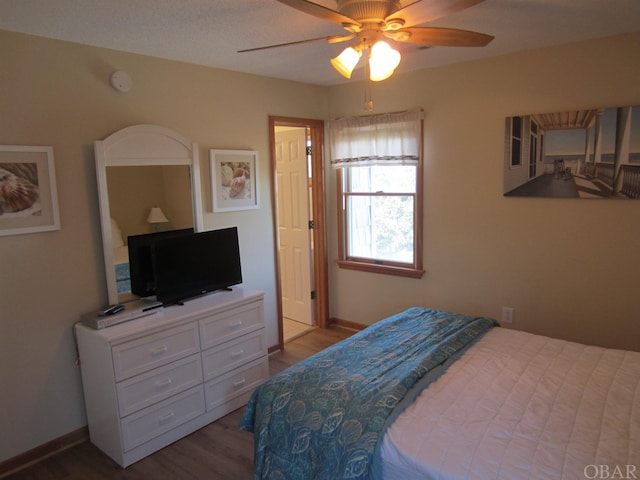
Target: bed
[[431, 394]]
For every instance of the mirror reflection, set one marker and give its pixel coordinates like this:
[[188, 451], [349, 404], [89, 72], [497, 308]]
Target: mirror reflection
[[145, 199]]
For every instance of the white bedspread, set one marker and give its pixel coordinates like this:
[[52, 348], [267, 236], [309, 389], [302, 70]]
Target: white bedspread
[[518, 406]]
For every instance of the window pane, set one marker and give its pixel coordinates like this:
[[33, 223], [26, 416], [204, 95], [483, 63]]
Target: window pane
[[515, 152], [381, 227], [516, 127], [379, 178], [516, 138]]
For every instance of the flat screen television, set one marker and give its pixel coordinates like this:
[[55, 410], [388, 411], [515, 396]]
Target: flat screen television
[[143, 281], [192, 265]]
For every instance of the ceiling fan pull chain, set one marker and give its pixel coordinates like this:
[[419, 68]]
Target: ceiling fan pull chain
[[368, 98]]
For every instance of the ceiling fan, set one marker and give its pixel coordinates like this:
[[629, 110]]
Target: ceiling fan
[[370, 22]]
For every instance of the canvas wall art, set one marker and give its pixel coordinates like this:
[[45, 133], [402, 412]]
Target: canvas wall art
[[593, 153]]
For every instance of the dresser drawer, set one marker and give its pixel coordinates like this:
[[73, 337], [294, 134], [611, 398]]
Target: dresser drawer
[[162, 417], [151, 387], [144, 354], [224, 358], [235, 383], [224, 326]]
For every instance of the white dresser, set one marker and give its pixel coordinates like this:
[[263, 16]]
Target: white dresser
[[150, 381]]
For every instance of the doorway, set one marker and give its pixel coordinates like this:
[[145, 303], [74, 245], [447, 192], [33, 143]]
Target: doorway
[[299, 224]]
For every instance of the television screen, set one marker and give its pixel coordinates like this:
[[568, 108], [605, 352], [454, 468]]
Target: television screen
[[188, 266], [141, 269]]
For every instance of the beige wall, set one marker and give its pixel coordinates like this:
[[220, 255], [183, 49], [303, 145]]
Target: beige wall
[[568, 267], [57, 94]]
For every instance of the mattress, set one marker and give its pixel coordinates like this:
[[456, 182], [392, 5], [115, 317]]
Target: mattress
[[518, 405]]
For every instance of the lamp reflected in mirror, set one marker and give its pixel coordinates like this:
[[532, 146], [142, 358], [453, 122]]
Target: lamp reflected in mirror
[[157, 218]]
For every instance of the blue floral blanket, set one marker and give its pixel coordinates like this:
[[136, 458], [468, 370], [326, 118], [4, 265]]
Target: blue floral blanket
[[322, 418]]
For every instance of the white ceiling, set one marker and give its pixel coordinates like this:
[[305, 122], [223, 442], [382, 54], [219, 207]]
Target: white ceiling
[[210, 32]]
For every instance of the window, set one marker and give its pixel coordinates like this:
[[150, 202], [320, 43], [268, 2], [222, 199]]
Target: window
[[516, 141], [379, 172], [533, 149]]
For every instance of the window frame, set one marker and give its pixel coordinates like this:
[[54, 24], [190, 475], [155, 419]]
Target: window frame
[[388, 267]]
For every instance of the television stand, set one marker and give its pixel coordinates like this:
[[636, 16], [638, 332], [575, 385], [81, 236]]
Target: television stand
[[150, 381]]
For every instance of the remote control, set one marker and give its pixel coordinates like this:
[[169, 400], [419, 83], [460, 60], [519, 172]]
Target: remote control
[[111, 309]]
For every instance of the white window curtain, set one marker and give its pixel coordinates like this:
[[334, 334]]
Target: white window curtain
[[387, 139]]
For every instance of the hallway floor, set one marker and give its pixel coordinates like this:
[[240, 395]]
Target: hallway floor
[[293, 329]]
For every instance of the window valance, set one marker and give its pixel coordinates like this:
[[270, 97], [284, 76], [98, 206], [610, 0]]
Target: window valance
[[386, 139]]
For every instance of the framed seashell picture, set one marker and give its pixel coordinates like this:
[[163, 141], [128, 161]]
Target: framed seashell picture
[[28, 195], [234, 177]]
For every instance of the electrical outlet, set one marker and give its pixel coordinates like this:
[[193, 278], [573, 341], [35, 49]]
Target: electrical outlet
[[507, 314]]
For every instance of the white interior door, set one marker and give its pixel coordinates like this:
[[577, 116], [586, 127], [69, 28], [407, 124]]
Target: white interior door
[[293, 224]]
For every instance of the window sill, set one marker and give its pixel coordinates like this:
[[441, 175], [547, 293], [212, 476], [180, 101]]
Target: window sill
[[384, 269]]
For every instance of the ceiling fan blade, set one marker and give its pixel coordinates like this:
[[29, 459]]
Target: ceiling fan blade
[[434, 10], [440, 37], [330, 39], [340, 38], [322, 12]]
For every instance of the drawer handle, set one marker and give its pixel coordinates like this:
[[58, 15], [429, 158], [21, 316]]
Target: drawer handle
[[239, 383], [159, 350], [236, 324], [163, 383], [237, 353], [166, 417]]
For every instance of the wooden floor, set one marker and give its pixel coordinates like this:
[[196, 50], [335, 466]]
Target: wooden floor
[[218, 451]]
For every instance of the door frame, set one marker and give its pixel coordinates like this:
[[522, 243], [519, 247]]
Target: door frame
[[319, 257]]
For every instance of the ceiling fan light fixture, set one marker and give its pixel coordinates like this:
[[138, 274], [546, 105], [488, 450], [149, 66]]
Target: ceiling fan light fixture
[[382, 61], [346, 61]]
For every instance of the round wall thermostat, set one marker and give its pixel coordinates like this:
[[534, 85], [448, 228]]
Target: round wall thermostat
[[121, 81]]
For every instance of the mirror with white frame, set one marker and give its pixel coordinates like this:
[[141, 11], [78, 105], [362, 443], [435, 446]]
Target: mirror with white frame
[[148, 180]]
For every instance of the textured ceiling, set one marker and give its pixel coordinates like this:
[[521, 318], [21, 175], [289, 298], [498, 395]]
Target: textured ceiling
[[210, 32]]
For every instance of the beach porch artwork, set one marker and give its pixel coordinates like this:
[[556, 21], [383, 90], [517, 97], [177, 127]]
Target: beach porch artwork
[[592, 153]]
